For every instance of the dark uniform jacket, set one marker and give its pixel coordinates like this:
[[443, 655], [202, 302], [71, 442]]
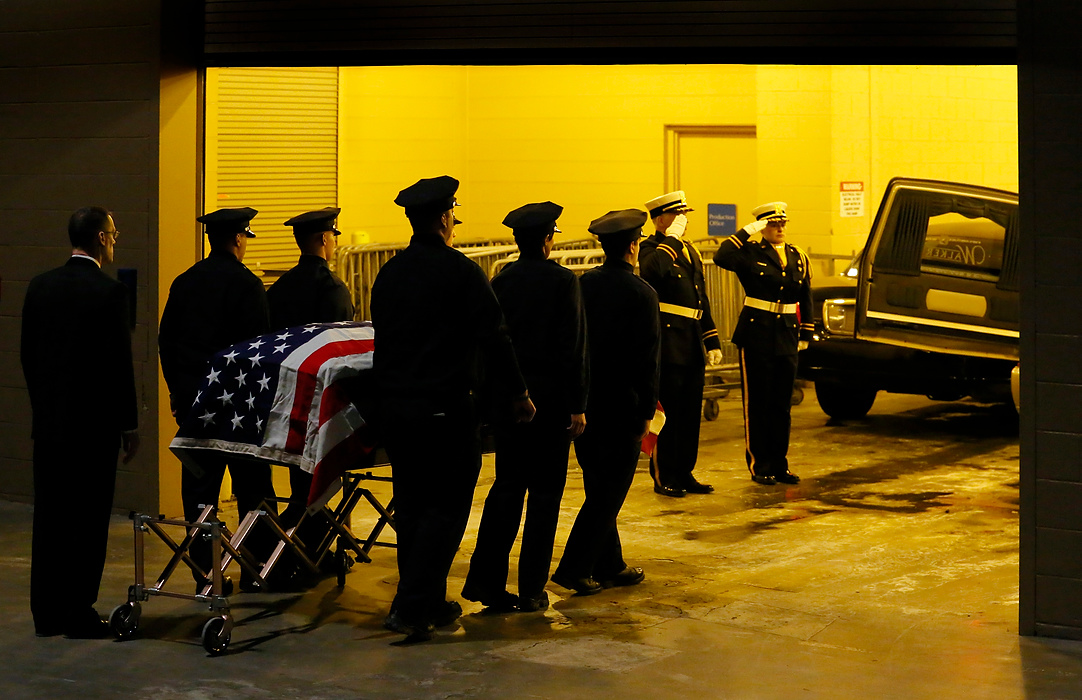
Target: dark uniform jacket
[[625, 343], [437, 322], [76, 352], [542, 303], [213, 304], [759, 268], [674, 269], [309, 293]]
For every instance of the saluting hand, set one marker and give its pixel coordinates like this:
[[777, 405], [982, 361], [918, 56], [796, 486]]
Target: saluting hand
[[578, 424]]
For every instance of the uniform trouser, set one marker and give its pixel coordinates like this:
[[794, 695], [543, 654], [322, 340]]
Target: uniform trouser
[[680, 392], [767, 388], [531, 458], [74, 479], [315, 527], [435, 461], [251, 484], [608, 455]]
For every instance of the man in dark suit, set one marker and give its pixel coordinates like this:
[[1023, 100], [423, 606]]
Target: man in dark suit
[[674, 268], [775, 321], [437, 324], [309, 293], [77, 359], [215, 303], [542, 303], [622, 318]]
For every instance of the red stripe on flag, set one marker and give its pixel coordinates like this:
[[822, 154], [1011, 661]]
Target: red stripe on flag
[[306, 386], [341, 457], [333, 401]]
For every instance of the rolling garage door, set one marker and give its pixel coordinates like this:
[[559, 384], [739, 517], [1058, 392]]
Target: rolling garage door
[[276, 151]]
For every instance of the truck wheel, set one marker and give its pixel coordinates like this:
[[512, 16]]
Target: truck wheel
[[844, 401]]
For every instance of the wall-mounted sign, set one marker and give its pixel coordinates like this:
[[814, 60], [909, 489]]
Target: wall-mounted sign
[[852, 199], [720, 219]]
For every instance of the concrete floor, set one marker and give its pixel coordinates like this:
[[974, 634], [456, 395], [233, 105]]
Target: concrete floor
[[890, 572]]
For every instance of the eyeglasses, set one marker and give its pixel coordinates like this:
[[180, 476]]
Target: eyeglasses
[[114, 233]]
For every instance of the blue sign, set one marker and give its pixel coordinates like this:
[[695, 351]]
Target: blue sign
[[721, 219]]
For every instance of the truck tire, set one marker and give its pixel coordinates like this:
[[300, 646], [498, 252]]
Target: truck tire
[[844, 401]]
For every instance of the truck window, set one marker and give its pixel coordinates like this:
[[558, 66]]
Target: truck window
[[958, 246]]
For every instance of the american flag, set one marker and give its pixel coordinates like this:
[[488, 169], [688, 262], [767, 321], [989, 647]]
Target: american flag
[[279, 398], [656, 424]]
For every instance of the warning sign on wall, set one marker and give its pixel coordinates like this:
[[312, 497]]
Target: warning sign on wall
[[852, 199]]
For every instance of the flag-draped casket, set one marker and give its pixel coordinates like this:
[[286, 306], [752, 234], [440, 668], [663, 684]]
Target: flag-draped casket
[[290, 397]]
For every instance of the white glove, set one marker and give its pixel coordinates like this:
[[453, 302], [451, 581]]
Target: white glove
[[801, 345], [755, 227], [676, 228], [713, 357]]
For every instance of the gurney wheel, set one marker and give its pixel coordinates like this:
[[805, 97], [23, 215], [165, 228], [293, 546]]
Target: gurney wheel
[[345, 564], [215, 638], [710, 409], [124, 619]]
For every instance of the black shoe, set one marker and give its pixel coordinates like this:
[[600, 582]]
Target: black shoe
[[692, 485], [671, 491], [628, 577], [764, 479], [581, 586], [89, 626], [500, 601], [447, 613], [534, 603], [787, 478], [415, 630], [227, 586], [50, 630]]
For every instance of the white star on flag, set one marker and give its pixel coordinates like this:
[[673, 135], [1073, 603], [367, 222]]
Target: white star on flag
[[250, 401], [229, 358], [285, 335], [212, 378], [226, 398], [256, 344], [207, 418], [241, 376], [254, 359], [264, 383], [198, 395], [280, 348], [236, 421]]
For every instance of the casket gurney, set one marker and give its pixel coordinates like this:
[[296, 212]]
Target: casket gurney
[[295, 398]]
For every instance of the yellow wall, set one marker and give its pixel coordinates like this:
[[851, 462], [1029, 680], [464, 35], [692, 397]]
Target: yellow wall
[[592, 137], [178, 239]]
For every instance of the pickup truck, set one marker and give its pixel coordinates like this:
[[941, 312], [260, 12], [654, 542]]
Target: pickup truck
[[929, 306]]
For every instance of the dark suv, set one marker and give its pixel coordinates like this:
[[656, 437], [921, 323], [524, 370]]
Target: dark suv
[[929, 306]]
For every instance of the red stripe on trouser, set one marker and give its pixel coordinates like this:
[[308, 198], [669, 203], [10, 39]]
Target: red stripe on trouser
[[744, 402]]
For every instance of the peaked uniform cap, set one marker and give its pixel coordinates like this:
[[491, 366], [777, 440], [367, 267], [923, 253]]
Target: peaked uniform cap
[[625, 221], [538, 217], [771, 210], [234, 220], [316, 221], [433, 194], [675, 202]]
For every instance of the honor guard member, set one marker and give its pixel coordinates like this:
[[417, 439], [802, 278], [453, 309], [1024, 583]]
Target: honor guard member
[[309, 293], [674, 268], [77, 360], [437, 323], [775, 321], [215, 303], [624, 350], [542, 303]]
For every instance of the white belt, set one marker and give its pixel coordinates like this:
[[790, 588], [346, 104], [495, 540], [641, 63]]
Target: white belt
[[774, 307], [685, 311]]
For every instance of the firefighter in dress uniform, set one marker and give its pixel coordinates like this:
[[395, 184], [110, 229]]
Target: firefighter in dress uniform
[[437, 323], [625, 345], [215, 303], [689, 340], [542, 303], [775, 323], [309, 293]]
